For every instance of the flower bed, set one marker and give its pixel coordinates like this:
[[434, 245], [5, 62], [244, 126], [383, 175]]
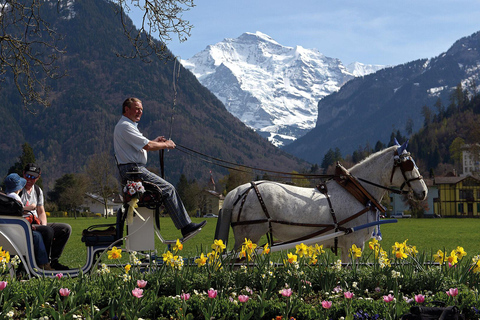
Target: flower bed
[[307, 283]]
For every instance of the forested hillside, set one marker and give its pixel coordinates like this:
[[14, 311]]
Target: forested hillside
[[86, 104], [437, 146]]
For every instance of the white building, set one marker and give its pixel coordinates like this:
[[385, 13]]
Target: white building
[[470, 160], [95, 204]]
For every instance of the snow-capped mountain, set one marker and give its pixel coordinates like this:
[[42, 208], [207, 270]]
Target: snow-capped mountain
[[272, 88]]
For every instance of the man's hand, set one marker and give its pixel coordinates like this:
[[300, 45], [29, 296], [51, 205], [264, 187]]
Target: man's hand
[[160, 139], [30, 207]]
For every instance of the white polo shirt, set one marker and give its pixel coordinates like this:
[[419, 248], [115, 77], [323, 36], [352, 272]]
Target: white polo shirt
[[128, 143]]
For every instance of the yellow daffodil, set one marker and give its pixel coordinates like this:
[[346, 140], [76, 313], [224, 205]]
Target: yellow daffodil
[[452, 258], [266, 249], [476, 267], [249, 246], [355, 252], [167, 256], [178, 246], [439, 257], [291, 258], [115, 253], [201, 261], [128, 267], [218, 246], [460, 253], [301, 249], [374, 244]]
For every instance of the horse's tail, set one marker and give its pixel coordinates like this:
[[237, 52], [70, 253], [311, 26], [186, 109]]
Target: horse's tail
[[223, 225]]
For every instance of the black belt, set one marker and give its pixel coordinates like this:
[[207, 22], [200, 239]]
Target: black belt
[[131, 164]]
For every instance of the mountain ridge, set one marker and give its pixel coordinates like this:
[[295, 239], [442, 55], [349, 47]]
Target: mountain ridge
[[272, 88], [374, 106]]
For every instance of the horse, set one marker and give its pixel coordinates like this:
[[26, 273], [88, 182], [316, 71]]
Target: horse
[[290, 213]]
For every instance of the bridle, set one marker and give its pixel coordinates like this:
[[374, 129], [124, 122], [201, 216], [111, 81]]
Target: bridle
[[405, 162]]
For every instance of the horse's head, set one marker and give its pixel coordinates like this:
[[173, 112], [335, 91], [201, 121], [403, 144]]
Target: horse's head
[[405, 173]]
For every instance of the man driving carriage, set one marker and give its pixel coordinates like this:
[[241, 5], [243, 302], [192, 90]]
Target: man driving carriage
[[131, 148]]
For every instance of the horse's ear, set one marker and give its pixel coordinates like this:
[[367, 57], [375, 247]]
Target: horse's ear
[[402, 148], [396, 142]]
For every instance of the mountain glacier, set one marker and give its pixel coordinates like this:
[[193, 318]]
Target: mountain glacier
[[272, 88]]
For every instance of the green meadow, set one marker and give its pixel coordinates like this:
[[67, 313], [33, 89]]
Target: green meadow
[[428, 235]]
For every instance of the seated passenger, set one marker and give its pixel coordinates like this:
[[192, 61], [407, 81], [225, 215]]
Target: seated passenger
[[13, 185]]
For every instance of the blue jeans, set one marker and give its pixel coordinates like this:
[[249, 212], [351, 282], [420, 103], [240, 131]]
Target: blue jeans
[[171, 200], [41, 256]]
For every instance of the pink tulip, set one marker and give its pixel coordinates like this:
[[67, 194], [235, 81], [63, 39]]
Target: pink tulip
[[212, 293], [326, 304], [59, 276], [348, 295], [243, 298], [419, 298], [141, 283], [137, 292], [64, 292], [3, 284], [185, 296], [452, 292], [388, 298], [286, 292]]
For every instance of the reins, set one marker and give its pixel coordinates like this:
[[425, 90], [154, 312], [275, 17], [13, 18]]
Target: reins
[[282, 175], [176, 76]]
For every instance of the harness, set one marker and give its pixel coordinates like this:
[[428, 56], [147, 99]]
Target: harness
[[348, 182]]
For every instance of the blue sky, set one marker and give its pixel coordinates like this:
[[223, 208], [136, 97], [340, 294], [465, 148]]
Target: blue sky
[[387, 32]]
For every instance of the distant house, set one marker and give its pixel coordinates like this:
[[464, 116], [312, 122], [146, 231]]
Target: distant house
[[470, 159], [95, 204], [211, 202], [457, 196]]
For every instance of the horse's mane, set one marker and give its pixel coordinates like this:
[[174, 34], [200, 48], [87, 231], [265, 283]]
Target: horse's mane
[[374, 156]]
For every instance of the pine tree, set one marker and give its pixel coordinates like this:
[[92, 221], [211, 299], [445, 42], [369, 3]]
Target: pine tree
[[26, 157]]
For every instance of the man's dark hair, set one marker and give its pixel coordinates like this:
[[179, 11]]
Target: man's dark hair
[[129, 102]]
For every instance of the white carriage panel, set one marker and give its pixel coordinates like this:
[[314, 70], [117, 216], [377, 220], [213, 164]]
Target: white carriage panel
[[141, 235]]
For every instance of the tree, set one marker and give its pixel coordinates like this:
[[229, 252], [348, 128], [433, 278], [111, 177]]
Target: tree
[[331, 157], [189, 192], [30, 47], [379, 146], [409, 126], [69, 192], [27, 156], [101, 178], [236, 177], [455, 149], [427, 116]]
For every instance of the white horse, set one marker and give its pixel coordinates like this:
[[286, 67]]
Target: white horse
[[291, 212]]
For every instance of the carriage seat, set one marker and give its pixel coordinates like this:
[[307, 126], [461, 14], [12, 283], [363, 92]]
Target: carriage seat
[[105, 234], [151, 198]]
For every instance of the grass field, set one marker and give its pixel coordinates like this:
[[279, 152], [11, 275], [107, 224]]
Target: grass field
[[428, 235]]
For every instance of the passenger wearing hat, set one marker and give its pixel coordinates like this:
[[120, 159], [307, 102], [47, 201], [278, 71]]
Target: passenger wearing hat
[[13, 185], [55, 235]]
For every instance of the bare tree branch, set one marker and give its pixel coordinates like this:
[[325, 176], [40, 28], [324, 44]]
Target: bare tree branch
[[161, 19], [30, 46], [28, 50]]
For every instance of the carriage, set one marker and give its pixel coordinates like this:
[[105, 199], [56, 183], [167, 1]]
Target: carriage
[[338, 213]]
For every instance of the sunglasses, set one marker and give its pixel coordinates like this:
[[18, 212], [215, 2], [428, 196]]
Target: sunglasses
[[29, 176]]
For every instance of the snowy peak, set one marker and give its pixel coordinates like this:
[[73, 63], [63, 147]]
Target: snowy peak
[[272, 88]]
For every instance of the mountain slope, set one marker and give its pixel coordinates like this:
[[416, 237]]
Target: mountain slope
[[271, 88], [368, 109], [87, 104]]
